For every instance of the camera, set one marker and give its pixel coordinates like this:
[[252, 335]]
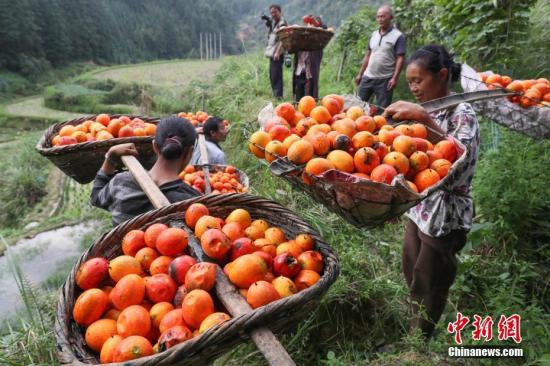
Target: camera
[[267, 20], [287, 60]]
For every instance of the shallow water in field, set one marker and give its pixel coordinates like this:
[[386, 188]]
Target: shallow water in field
[[39, 258]]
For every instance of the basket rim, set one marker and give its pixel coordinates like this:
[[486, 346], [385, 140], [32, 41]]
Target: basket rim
[[237, 324], [43, 144]]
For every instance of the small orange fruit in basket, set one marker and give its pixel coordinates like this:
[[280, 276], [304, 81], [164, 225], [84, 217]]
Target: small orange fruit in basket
[[132, 242], [108, 349], [284, 286], [261, 293], [355, 112], [404, 144], [204, 223], [196, 306], [89, 306], [286, 111], [103, 118], [99, 332], [380, 121], [418, 161], [306, 278], [241, 216], [320, 114], [419, 130], [194, 213], [331, 104], [160, 288], [172, 241], [122, 266], [341, 160], [383, 173], [158, 311], [306, 105], [246, 270], [134, 320], [212, 320], [274, 150], [398, 160], [441, 166], [131, 348], [130, 290], [365, 123], [365, 160], [426, 179], [300, 152], [447, 150], [171, 319]]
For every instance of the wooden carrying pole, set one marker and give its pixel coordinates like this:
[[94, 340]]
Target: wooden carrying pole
[[236, 305], [204, 162]]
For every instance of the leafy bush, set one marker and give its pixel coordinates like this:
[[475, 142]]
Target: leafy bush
[[72, 97], [511, 188]]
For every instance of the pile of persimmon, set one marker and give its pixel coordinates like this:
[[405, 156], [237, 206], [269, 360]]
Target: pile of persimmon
[[533, 92], [222, 181], [198, 118], [323, 138], [262, 261], [147, 300], [103, 128]]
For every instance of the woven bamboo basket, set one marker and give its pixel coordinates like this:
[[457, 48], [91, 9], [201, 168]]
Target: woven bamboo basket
[[363, 203], [281, 315], [82, 161], [213, 168], [300, 38]]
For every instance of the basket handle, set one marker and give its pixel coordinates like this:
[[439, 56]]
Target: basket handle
[[265, 340]]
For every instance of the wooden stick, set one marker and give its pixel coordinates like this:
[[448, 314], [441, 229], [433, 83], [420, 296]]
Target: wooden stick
[[204, 162], [265, 340]]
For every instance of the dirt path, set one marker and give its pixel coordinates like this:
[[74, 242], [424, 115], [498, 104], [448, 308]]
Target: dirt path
[[34, 107]]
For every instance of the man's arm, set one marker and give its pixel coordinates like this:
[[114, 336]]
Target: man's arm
[[400, 48], [277, 53], [398, 66], [363, 67]]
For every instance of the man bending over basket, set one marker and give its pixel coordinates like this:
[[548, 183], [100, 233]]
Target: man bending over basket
[[119, 193], [437, 227]]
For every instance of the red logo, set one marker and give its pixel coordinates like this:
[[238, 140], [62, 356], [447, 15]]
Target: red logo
[[508, 327]]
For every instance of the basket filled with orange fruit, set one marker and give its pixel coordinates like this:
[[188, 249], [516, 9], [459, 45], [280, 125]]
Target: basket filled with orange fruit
[[528, 111], [78, 146], [360, 167], [309, 37], [222, 178], [140, 295], [198, 118]]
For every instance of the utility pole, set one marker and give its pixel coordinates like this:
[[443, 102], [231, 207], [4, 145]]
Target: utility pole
[[200, 42], [206, 46], [220, 45]]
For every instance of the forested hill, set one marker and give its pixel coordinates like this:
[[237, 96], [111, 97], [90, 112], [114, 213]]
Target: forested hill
[[252, 29], [37, 34]]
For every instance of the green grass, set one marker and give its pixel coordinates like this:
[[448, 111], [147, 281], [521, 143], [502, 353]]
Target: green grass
[[173, 73], [33, 107]]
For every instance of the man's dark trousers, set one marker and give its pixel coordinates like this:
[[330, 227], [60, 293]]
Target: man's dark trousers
[[378, 87], [276, 76]]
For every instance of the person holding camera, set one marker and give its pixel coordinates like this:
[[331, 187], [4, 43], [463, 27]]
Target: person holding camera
[[274, 49]]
